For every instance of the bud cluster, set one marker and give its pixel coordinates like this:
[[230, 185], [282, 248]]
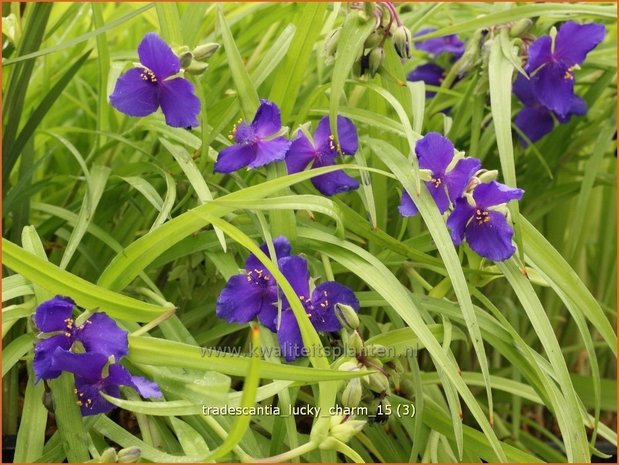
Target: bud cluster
[[194, 61], [389, 28]]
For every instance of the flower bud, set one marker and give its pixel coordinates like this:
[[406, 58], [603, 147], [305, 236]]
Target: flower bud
[[349, 366], [205, 51], [129, 455], [108, 456], [186, 59], [520, 27], [375, 60], [347, 316], [402, 41], [345, 431], [196, 68], [375, 38], [355, 343], [378, 382], [407, 388], [351, 396], [330, 46], [486, 176]]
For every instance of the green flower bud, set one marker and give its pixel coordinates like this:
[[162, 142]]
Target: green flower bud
[[378, 382], [330, 46], [108, 456], [375, 60], [347, 316], [486, 176], [186, 59], [520, 27], [205, 51], [197, 68], [351, 396], [402, 41], [407, 388], [355, 343], [345, 431], [349, 366], [375, 38], [129, 455]]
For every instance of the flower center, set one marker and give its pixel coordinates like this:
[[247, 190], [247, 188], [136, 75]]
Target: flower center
[[258, 277], [569, 74], [437, 182], [336, 148], [148, 76], [482, 216], [81, 401]]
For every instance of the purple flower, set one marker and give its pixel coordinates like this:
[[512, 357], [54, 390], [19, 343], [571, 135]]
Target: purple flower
[[99, 333], [322, 151], [429, 73], [439, 45], [256, 144], [140, 91], [486, 230], [435, 153], [551, 66], [90, 381], [535, 120], [253, 293], [319, 305]]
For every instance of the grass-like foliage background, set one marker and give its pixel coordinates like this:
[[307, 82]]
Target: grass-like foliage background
[[513, 361]]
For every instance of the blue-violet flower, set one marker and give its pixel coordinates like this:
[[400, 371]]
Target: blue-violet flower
[[140, 91]]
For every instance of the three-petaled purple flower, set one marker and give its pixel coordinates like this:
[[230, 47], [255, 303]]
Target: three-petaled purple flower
[[322, 151], [256, 144], [535, 120], [140, 91], [90, 381], [551, 63], [448, 180], [253, 293], [486, 230], [99, 333], [439, 45], [319, 306]]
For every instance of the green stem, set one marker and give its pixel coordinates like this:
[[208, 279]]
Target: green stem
[[292, 453]]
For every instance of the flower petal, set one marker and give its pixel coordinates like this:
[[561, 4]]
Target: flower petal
[[407, 207], [235, 157], [539, 54], [524, 91], [157, 56], [268, 316], [333, 183], [438, 45], [43, 356], [179, 103], [553, 85], [435, 152], [438, 191], [346, 132], [458, 178], [300, 154], [324, 298], [458, 220], [268, 119], [51, 314], [268, 151], [100, 333], [494, 193], [242, 299], [120, 376], [282, 249], [574, 41], [86, 365], [578, 107], [492, 240], [289, 337], [429, 73], [296, 271], [534, 122], [134, 96]]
